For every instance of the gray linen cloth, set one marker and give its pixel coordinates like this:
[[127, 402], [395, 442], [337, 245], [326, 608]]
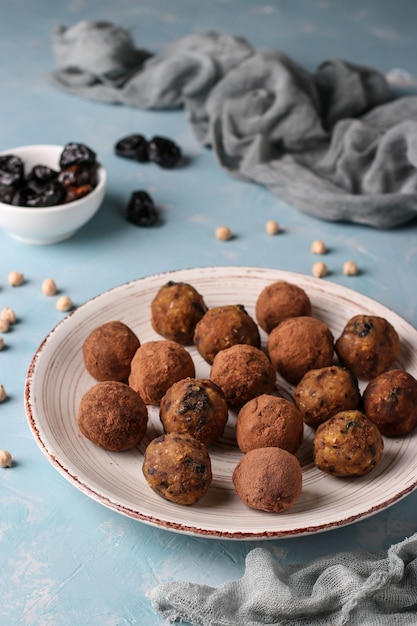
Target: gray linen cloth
[[334, 143], [355, 589]]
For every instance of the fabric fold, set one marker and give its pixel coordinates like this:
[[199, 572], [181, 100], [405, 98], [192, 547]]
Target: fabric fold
[[359, 589], [333, 143]]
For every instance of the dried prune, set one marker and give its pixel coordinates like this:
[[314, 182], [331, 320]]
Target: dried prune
[[44, 186], [78, 175], [133, 147], [7, 193], [11, 170], [76, 154], [75, 193], [40, 176], [141, 210], [164, 152], [49, 195]]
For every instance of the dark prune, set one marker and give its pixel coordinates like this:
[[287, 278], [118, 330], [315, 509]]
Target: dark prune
[[133, 147], [7, 193], [77, 154], [164, 152], [11, 170], [40, 176], [141, 210], [78, 175], [75, 193], [49, 195]]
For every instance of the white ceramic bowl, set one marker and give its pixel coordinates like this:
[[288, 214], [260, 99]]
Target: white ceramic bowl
[[51, 224]]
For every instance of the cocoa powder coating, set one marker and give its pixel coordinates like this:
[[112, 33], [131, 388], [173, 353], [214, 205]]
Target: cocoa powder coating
[[113, 416], [268, 479], [156, 366]]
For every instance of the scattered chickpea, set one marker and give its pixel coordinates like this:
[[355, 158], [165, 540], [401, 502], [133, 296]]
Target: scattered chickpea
[[16, 279], [5, 459], [350, 268], [49, 287], [1, 343], [64, 303], [4, 325], [223, 233], [8, 315], [3, 394], [319, 269], [272, 227], [318, 247]]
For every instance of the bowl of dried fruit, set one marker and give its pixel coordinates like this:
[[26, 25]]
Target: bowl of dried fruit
[[49, 192]]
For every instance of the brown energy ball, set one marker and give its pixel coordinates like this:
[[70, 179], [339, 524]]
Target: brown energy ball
[[156, 366], [194, 406], [390, 401], [113, 416], [278, 301], [268, 479], [222, 327], [242, 372], [348, 444], [108, 351], [299, 344], [175, 311], [268, 421], [368, 345], [178, 468], [323, 392]]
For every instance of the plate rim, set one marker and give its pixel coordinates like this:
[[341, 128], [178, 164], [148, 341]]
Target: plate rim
[[181, 527]]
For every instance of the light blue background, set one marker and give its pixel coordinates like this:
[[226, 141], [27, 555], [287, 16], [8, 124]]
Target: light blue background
[[65, 560]]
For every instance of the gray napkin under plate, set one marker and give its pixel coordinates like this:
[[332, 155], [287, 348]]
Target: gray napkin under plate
[[355, 589], [333, 143]]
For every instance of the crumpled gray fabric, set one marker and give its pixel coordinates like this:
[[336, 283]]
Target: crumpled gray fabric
[[355, 589], [333, 143]]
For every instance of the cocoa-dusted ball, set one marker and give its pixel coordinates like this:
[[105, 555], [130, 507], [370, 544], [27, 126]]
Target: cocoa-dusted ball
[[194, 406], [156, 366], [222, 327], [108, 351], [299, 344], [178, 468], [323, 392], [347, 444], [268, 479], [368, 345], [278, 301], [390, 401], [268, 421], [242, 372], [113, 416], [175, 311]]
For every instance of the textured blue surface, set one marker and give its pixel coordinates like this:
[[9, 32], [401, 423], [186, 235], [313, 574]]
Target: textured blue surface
[[65, 559]]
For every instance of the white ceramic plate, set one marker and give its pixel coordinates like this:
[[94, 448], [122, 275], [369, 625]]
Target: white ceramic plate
[[57, 380]]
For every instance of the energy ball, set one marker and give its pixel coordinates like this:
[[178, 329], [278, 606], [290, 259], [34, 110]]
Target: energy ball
[[268, 421], [390, 401], [299, 344], [196, 407], [278, 301], [175, 311], [323, 392], [348, 444], [156, 366], [108, 351], [268, 479], [222, 327], [178, 468], [113, 416], [242, 372], [368, 345]]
